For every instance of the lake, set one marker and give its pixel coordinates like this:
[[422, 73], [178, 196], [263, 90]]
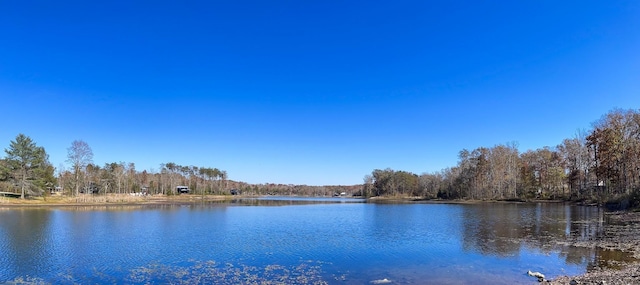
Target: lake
[[298, 241]]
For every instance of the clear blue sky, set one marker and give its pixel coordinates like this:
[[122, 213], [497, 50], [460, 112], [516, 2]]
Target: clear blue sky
[[311, 92]]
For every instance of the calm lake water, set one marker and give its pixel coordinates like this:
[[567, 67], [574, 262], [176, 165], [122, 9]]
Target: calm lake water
[[297, 241]]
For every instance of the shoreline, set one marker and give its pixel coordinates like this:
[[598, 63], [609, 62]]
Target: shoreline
[[111, 200], [127, 199], [622, 232], [469, 201]]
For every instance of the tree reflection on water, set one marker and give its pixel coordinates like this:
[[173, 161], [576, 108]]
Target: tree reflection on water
[[504, 229]]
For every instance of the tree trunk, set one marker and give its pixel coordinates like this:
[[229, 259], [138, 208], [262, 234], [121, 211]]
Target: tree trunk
[[24, 180], [77, 181]]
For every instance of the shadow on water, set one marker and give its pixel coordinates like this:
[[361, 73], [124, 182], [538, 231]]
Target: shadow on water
[[28, 244]]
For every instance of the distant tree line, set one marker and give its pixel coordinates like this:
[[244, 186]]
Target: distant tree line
[[302, 190], [600, 164]]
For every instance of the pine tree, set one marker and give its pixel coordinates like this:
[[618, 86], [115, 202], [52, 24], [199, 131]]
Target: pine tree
[[23, 157]]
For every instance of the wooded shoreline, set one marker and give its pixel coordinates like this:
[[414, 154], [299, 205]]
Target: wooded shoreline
[[601, 165], [129, 199]]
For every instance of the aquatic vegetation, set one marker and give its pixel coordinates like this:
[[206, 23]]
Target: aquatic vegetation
[[27, 280], [210, 272], [201, 272]]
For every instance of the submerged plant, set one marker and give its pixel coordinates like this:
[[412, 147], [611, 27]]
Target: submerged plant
[[210, 272]]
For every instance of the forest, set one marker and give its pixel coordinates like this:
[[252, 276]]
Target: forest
[[26, 170], [601, 164], [597, 165]]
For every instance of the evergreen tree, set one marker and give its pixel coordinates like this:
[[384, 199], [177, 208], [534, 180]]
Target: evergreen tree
[[25, 158]]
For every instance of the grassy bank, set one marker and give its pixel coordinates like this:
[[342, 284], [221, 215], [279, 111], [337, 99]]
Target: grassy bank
[[109, 199]]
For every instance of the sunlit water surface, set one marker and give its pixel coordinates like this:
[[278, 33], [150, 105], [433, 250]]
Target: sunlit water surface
[[296, 241]]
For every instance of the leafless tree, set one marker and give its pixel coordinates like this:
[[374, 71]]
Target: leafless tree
[[79, 155]]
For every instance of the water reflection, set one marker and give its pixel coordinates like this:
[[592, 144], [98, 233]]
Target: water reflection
[[505, 229], [338, 240], [287, 200], [25, 243]]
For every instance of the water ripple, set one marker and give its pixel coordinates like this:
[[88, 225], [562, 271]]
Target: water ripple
[[352, 243]]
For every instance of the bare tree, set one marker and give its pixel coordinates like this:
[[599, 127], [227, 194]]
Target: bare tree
[[79, 155]]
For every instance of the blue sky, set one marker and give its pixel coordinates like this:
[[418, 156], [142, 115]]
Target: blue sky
[[311, 92]]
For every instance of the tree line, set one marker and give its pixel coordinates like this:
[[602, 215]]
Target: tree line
[[26, 170], [123, 178], [600, 164]]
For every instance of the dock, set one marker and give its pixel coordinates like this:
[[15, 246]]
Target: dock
[[10, 194]]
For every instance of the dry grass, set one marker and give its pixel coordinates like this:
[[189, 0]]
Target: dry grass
[[82, 199], [109, 199]]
